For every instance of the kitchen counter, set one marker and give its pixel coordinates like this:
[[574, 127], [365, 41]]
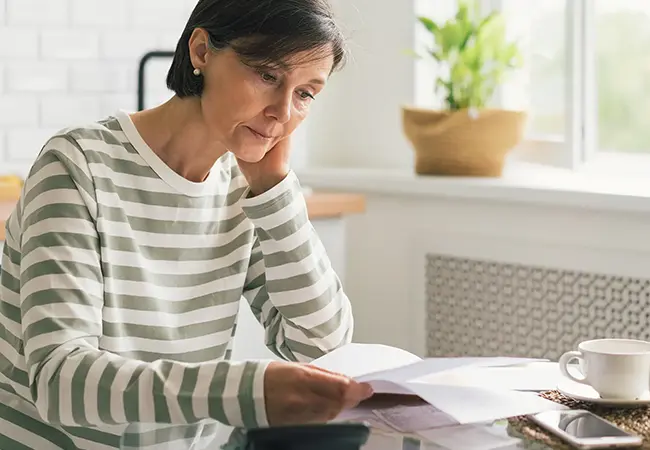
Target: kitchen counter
[[323, 205], [320, 206], [5, 210]]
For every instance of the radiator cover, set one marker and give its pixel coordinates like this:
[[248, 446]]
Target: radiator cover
[[487, 308]]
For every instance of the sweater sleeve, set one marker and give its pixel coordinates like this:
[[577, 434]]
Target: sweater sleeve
[[291, 286], [73, 382]]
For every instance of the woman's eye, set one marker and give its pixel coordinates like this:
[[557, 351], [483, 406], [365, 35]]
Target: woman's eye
[[269, 78], [306, 95]]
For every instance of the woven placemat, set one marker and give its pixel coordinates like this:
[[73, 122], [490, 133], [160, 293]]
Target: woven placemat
[[634, 420]]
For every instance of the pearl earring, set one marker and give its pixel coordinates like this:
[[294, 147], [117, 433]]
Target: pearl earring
[[197, 72]]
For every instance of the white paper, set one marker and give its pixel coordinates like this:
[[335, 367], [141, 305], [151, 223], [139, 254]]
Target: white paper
[[392, 371], [388, 387], [412, 418], [376, 362], [426, 367], [398, 418], [536, 377], [355, 360], [471, 404]]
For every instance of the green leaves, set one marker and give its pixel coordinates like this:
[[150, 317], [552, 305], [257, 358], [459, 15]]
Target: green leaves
[[429, 24], [476, 51]]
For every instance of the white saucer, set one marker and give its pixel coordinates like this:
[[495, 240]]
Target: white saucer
[[585, 393]]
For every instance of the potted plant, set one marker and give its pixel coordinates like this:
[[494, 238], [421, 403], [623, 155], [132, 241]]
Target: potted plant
[[466, 137]]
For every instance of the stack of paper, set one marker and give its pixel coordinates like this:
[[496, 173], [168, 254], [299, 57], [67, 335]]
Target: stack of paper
[[447, 391]]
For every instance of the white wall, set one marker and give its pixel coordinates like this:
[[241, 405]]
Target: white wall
[[357, 122], [69, 61]]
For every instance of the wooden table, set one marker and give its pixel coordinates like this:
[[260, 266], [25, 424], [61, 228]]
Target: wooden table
[[320, 206]]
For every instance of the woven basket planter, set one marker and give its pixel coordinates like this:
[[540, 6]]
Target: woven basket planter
[[461, 143]]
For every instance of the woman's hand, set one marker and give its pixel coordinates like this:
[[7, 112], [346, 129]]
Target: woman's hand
[[270, 170], [298, 394]]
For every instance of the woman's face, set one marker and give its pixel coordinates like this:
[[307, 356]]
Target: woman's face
[[249, 109]]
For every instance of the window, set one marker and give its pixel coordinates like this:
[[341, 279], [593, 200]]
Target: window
[[540, 87], [586, 82], [622, 55]]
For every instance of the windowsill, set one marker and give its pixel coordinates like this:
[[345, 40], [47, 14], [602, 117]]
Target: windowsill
[[521, 183]]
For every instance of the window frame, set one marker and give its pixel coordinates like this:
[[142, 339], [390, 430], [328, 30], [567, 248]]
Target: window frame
[[579, 150], [579, 144], [581, 89]]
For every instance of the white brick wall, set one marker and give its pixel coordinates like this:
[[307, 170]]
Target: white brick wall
[[64, 62], [37, 12]]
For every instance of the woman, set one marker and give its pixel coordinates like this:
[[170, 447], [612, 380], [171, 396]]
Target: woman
[[136, 236]]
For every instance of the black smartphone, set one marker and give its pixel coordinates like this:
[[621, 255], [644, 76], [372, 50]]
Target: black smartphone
[[340, 436]]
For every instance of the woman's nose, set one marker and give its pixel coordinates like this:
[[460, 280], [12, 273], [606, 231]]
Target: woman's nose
[[280, 110]]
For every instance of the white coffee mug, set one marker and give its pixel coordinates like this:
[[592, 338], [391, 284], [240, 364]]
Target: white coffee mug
[[615, 368]]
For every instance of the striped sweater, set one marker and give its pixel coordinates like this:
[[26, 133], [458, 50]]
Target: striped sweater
[[120, 289]]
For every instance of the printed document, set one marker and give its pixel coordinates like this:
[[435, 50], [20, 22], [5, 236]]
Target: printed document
[[400, 376]]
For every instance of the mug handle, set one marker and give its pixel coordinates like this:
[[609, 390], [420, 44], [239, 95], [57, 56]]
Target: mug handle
[[564, 362]]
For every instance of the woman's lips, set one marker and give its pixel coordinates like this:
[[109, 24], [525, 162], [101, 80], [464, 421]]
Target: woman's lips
[[259, 135]]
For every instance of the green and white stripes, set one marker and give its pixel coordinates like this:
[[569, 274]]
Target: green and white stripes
[[120, 288]]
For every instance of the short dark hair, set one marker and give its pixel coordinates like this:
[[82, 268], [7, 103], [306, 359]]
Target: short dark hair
[[261, 32]]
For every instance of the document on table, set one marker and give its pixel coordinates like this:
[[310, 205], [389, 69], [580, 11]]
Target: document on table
[[394, 371], [410, 419], [403, 418], [383, 365], [361, 359], [534, 377]]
